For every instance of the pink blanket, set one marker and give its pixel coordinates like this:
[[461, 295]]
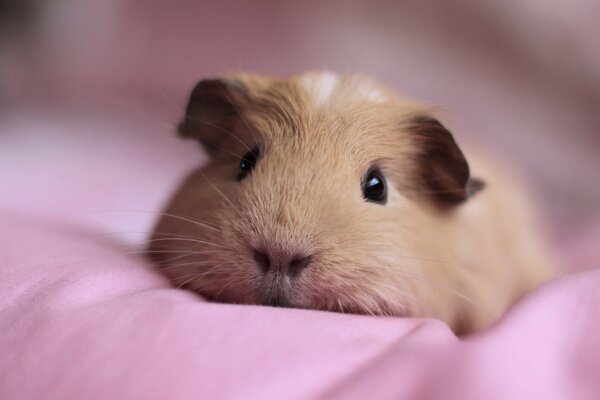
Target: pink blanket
[[91, 149], [81, 318]]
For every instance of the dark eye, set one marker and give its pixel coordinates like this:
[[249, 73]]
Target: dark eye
[[247, 163], [374, 186]]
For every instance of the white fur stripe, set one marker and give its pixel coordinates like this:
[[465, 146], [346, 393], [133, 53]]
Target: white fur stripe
[[321, 86]]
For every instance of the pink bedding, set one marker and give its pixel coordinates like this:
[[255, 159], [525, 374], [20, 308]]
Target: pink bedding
[[81, 318], [88, 156]]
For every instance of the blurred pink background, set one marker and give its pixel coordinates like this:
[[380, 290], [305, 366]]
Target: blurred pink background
[[89, 91]]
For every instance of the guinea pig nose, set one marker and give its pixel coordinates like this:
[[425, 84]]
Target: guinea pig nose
[[284, 263], [298, 263], [262, 260]]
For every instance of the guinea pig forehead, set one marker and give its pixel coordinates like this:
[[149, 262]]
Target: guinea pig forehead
[[372, 135], [285, 118]]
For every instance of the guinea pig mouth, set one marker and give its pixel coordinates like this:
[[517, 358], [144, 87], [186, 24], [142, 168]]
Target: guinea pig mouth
[[276, 301], [276, 294]]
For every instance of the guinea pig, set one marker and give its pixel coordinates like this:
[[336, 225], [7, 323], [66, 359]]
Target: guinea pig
[[330, 192]]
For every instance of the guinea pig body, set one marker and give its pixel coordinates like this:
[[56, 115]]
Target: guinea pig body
[[330, 192]]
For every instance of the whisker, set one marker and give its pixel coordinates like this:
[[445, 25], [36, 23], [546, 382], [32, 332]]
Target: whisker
[[193, 221], [224, 287], [204, 224], [155, 233], [169, 129], [169, 260], [229, 202], [177, 251], [220, 129], [120, 103], [196, 276], [165, 97], [199, 263], [184, 240]]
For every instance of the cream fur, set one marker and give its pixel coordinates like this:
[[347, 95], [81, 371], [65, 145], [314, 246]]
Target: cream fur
[[318, 135]]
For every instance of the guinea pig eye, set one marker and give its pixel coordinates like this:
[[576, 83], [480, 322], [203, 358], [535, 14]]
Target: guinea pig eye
[[373, 187], [247, 163]]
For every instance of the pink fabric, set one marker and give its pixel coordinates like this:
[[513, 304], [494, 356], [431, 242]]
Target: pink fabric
[[82, 318], [86, 142]]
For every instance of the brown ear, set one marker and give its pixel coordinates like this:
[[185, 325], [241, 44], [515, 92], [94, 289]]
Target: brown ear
[[443, 171], [214, 112]]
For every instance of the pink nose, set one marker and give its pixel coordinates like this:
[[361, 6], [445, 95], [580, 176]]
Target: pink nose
[[285, 263]]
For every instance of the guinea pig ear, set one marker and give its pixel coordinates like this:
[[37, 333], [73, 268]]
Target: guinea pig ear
[[213, 112], [443, 172]]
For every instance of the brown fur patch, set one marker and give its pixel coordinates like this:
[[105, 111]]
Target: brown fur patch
[[442, 167]]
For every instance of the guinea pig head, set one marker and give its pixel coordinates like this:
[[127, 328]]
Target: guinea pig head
[[319, 191]]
